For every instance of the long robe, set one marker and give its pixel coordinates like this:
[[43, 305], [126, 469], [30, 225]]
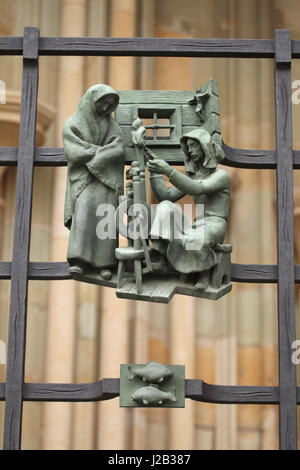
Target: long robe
[[94, 148], [188, 246]]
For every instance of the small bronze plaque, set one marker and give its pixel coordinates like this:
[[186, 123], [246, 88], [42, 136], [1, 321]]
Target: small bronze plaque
[[152, 385]]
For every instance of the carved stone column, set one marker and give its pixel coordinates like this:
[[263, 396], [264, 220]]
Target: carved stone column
[[96, 67], [141, 310], [88, 349], [159, 351], [115, 334], [269, 414], [123, 24], [115, 314], [62, 294], [175, 73], [224, 348], [246, 219]]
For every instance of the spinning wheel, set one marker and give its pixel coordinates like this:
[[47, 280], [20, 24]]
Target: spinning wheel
[[138, 216]]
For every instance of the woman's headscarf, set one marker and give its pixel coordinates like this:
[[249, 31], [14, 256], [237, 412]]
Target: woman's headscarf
[[213, 152], [86, 117]]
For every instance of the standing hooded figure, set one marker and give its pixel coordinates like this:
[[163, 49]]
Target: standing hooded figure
[[94, 147], [189, 247]]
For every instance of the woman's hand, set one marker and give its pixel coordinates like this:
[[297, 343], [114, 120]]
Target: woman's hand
[[159, 166]]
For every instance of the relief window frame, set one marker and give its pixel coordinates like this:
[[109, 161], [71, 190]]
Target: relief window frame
[[155, 112]]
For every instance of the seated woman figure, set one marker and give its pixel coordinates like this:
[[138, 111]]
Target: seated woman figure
[[189, 247]]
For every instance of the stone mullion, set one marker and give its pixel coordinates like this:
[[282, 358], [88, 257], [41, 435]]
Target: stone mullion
[[63, 294], [114, 423]]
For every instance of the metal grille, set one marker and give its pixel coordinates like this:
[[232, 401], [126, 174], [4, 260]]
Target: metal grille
[[20, 270]]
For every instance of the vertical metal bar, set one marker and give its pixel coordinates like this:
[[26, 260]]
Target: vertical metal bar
[[20, 257], [285, 242]]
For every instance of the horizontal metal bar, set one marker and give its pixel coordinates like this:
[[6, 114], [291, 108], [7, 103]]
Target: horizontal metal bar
[[5, 270], [168, 47], [50, 156], [200, 391], [50, 271], [8, 156], [159, 47], [243, 158], [44, 156], [39, 271], [107, 389], [11, 45], [265, 273], [263, 48], [252, 273], [234, 157]]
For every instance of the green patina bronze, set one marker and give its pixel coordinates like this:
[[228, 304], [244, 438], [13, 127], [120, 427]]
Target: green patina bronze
[[189, 248], [152, 385], [174, 254], [151, 372], [95, 150], [152, 395]]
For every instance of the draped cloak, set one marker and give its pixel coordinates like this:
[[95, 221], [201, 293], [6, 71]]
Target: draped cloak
[[94, 148]]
